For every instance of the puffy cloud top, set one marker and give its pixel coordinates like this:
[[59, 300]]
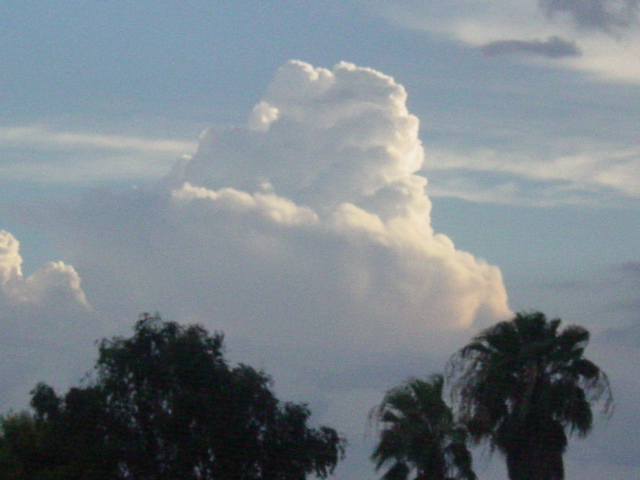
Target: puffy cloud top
[[46, 325], [321, 184], [55, 282], [322, 138], [10, 259]]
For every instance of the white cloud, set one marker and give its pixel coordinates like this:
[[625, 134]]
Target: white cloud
[[605, 33], [40, 135], [305, 236], [342, 136], [54, 282], [44, 154], [309, 221], [47, 328], [587, 173], [10, 259]]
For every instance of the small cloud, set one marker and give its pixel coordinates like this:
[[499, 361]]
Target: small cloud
[[607, 16], [55, 282], [47, 327], [552, 47]]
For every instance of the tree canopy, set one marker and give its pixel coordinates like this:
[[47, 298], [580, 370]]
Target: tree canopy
[[419, 434], [165, 404], [525, 385]]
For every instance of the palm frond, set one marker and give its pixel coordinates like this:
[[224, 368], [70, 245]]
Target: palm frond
[[526, 382], [399, 471], [417, 429]]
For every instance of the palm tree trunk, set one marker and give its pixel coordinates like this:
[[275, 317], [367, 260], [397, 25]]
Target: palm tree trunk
[[535, 463]]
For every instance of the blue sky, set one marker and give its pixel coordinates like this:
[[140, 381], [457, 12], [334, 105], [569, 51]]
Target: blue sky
[[308, 189]]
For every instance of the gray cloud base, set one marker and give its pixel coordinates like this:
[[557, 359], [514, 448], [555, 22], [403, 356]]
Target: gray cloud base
[[552, 47]]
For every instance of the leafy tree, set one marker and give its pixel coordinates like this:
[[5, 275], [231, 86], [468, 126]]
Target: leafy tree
[[19, 438], [524, 385], [165, 404], [25, 453], [420, 435]]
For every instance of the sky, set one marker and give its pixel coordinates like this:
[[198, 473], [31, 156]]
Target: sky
[[349, 190]]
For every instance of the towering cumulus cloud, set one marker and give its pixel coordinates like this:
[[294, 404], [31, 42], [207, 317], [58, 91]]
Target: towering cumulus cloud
[[306, 227], [323, 139], [304, 235]]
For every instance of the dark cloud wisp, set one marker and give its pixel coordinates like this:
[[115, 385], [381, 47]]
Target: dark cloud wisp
[[552, 47], [605, 15]]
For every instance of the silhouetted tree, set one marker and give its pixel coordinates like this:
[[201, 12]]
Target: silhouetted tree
[[420, 435], [524, 385], [165, 405]]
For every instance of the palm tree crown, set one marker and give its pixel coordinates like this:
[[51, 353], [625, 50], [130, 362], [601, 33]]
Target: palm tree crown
[[419, 434], [524, 385]]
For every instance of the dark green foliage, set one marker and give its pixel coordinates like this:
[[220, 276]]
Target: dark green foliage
[[22, 455], [166, 405], [524, 385], [419, 434], [45, 402]]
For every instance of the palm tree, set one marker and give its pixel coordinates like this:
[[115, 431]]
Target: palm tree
[[419, 434], [525, 386]]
